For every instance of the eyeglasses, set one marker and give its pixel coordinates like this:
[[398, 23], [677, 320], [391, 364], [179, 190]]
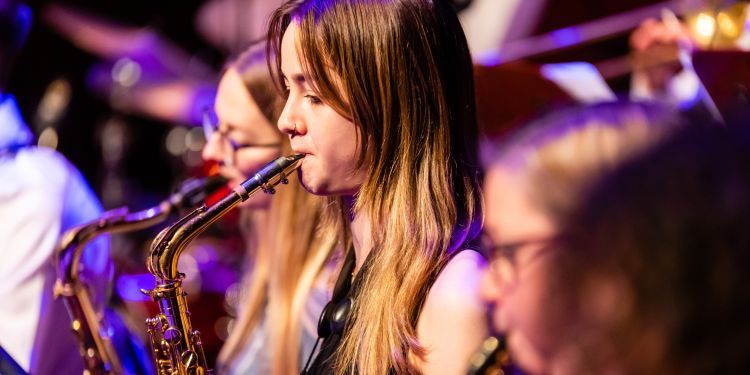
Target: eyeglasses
[[504, 258], [212, 126]]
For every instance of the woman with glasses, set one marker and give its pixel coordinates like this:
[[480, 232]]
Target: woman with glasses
[[533, 181], [652, 276], [285, 286]]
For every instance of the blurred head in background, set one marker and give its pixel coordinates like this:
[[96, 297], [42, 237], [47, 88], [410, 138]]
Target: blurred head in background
[[533, 181], [652, 275], [241, 136]]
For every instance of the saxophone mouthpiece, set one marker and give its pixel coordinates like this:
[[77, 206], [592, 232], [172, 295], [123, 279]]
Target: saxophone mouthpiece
[[194, 191], [271, 175], [292, 162]]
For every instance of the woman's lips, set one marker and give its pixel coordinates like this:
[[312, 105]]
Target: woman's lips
[[304, 153], [299, 150]]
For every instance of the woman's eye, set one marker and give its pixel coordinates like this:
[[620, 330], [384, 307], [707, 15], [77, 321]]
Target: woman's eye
[[313, 99]]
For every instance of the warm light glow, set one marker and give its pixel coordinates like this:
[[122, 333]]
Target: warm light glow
[[55, 101], [126, 72], [705, 26], [727, 26], [195, 140], [175, 141]]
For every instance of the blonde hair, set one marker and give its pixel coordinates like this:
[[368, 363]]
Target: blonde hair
[[561, 155], [401, 71], [287, 264]]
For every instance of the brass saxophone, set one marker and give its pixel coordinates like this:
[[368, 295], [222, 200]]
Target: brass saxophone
[[177, 348], [96, 348], [492, 358]]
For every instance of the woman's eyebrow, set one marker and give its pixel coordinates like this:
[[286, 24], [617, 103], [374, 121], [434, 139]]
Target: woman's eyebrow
[[298, 79]]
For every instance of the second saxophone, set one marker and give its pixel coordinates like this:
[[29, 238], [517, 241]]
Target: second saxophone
[[98, 352]]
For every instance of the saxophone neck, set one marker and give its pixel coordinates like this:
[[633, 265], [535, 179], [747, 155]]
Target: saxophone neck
[[169, 244], [74, 241], [68, 255]]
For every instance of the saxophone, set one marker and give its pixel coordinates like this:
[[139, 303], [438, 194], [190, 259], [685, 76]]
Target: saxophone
[[96, 348], [492, 358], [176, 347]]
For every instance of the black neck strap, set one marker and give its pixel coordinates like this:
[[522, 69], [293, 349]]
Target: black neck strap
[[344, 280]]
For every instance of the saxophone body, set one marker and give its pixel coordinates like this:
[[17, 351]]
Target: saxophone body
[[89, 326], [176, 347]]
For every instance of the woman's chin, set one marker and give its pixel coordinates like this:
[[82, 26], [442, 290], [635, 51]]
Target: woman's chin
[[324, 185], [525, 355], [312, 188], [325, 190], [309, 183]]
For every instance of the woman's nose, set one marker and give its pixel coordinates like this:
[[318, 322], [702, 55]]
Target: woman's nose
[[489, 287], [289, 122], [213, 150]]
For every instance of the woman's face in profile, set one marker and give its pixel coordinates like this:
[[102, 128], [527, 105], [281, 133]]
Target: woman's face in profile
[[244, 140], [329, 141], [519, 235]]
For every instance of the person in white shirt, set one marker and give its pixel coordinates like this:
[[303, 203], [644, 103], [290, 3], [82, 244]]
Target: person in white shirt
[[41, 196]]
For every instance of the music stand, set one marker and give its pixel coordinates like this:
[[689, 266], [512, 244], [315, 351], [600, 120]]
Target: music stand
[[726, 76], [509, 94]]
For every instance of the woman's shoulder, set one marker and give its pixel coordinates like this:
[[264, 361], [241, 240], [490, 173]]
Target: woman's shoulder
[[460, 275], [452, 322], [455, 293]]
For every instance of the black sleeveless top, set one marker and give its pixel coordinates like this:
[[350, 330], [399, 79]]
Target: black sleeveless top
[[332, 324], [324, 361], [334, 318]]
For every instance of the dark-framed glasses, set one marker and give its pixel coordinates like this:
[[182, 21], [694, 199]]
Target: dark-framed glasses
[[212, 126], [506, 258]]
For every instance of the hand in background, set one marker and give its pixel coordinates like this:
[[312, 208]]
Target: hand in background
[[656, 46]]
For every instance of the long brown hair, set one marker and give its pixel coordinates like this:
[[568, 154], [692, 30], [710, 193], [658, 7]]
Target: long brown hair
[[401, 70], [285, 265]]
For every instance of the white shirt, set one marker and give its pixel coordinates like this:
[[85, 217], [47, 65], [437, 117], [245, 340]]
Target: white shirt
[[41, 196], [254, 357]]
